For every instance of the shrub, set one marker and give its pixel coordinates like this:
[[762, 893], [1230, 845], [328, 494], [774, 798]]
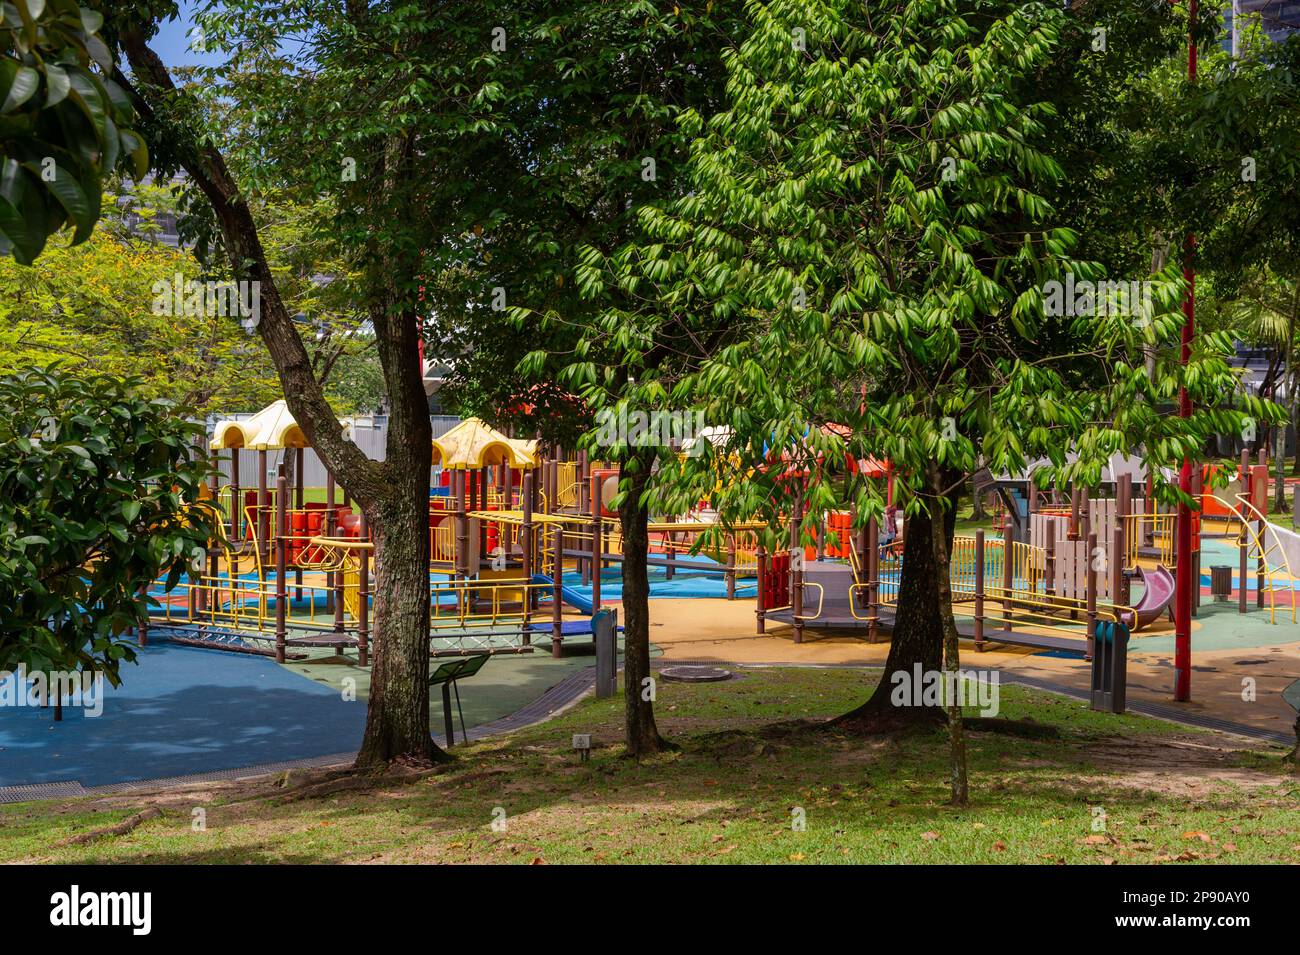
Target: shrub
[[99, 496]]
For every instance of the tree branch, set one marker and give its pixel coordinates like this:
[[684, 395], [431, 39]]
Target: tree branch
[[303, 393]]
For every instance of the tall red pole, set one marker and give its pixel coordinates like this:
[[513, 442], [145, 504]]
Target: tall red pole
[[1183, 578]]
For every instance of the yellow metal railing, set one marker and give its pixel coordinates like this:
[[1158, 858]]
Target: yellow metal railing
[[889, 574], [461, 604], [1267, 560], [1043, 613], [1158, 528], [566, 481], [821, 597], [1028, 565], [245, 605]]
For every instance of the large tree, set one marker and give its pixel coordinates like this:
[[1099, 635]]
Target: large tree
[[869, 222], [590, 133], [380, 106]]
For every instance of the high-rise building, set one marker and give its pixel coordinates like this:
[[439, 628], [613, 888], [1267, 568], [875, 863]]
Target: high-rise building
[[1280, 17]]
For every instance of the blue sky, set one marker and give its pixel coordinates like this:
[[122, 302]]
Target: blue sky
[[173, 40]]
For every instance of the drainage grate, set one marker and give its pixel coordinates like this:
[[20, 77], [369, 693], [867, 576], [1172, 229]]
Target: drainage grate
[[694, 674], [241, 772], [40, 791]]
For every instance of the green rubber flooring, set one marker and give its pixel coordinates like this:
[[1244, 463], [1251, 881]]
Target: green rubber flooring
[[507, 682], [1218, 626]]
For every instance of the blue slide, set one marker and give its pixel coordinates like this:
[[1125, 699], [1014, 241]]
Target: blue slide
[[572, 597]]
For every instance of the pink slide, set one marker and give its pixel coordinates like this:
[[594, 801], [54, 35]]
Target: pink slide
[[1157, 591]]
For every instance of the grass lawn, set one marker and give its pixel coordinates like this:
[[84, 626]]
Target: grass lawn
[[1126, 789]]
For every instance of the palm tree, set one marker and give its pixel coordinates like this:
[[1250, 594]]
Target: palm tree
[[1267, 313]]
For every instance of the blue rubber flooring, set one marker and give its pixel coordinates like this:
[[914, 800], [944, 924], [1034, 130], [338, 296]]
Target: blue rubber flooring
[[684, 584], [180, 710]]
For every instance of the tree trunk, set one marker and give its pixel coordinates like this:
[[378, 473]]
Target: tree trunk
[[917, 637], [397, 722], [397, 719], [1289, 380], [941, 544], [642, 733], [393, 493]]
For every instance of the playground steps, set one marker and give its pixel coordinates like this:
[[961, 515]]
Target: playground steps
[[335, 640], [220, 638], [823, 622], [1037, 641], [827, 586], [829, 607]]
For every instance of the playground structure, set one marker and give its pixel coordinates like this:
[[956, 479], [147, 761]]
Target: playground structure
[[520, 535], [1057, 565], [509, 529]]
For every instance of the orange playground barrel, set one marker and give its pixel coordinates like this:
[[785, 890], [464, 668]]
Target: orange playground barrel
[[776, 581], [298, 521]]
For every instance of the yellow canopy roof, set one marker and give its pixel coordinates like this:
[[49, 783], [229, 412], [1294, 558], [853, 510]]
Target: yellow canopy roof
[[474, 444], [270, 429]]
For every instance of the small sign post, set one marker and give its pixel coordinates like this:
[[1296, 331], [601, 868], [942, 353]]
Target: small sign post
[[446, 676]]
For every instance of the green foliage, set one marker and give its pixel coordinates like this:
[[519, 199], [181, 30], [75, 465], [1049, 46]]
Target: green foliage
[[319, 286], [591, 96], [455, 149], [1240, 140], [64, 124], [866, 242], [352, 148], [1115, 188], [94, 308], [98, 498]]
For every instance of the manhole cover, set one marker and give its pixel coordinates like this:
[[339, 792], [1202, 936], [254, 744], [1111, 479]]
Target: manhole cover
[[695, 674]]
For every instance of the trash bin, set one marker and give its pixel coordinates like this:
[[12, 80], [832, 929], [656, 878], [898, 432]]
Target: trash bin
[[1220, 583], [604, 630], [1109, 667]]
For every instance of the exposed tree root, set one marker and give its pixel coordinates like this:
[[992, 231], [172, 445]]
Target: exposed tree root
[[868, 720], [1025, 728], [398, 775], [651, 749], [434, 756], [121, 829]]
